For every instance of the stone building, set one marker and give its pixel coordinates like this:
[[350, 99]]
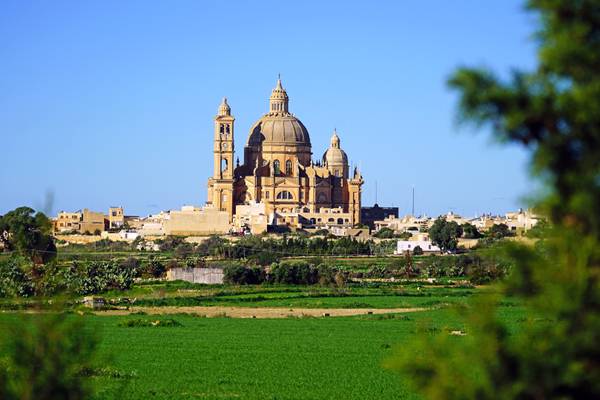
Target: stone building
[[116, 218], [83, 221], [278, 169]]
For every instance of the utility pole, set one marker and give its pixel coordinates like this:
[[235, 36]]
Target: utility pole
[[413, 201]]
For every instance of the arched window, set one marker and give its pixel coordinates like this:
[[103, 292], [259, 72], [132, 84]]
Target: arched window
[[340, 221], [330, 220], [223, 164], [226, 128], [322, 198], [284, 195], [276, 167], [288, 167], [221, 128]]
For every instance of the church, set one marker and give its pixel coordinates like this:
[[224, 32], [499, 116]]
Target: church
[[279, 174]]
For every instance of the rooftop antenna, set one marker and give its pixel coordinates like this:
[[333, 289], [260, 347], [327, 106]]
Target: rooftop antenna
[[413, 201]]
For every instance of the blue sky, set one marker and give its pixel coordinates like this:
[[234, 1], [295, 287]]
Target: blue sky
[[112, 103]]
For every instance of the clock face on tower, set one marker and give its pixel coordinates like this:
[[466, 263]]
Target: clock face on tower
[[224, 146]]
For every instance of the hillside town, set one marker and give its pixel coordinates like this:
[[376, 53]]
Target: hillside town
[[85, 226]]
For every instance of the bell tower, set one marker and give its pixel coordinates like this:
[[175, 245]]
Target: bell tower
[[220, 186], [223, 143]]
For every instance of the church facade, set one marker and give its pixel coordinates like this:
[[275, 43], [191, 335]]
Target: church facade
[[278, 170]]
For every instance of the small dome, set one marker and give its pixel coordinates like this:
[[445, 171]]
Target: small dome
[[334, 154], [278, 129]]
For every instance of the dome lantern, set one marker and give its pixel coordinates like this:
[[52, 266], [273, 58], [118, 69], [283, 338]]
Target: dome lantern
[[224, 109], [278, 102], [335, 140]]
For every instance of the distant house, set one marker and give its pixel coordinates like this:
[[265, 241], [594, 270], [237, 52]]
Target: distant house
[[409, 245]]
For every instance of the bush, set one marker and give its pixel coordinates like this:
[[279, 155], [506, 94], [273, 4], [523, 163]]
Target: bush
[[384, 233], [14, 281], [183, 250], [143, 323], [100, 276], [240, 275], [154, 269], [417, 251], [294, 272]]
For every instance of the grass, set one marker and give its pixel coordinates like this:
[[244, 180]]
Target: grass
[[218, 358], [289, 358]]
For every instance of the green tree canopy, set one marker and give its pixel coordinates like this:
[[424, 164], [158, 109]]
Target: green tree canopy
[[27, 232], [470, 231], [445, 234], [499, 231]]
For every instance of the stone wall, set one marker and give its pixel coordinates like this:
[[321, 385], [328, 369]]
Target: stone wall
[[204, 221], [196, 275]]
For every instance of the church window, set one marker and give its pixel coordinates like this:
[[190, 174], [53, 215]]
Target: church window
[[336, 172], [226, 128], [276, 167], [223, 164], [266, 194], [221, 128], [340, 221], [284, 195], [288, 167], [330, 220]]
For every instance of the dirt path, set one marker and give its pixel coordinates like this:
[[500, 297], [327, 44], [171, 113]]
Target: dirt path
[[261, 312]]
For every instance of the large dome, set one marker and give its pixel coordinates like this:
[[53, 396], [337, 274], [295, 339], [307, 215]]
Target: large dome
[[278, 128]]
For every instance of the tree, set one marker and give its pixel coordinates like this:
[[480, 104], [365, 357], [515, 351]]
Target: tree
[[470, 231], [417, 251], [445, 234], [384, 233], [29, 233], [553, 113], [499, 231]]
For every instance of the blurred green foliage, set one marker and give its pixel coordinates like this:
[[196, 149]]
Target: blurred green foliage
[[554, 112], [45, 357]]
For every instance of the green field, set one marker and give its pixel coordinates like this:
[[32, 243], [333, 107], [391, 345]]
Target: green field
[[289, 358]]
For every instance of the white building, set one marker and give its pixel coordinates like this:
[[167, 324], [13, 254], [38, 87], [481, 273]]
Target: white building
[[409, 245]]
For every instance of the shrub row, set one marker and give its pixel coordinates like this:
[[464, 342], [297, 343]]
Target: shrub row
[[285, 272], [21, 278], [474, 267]]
